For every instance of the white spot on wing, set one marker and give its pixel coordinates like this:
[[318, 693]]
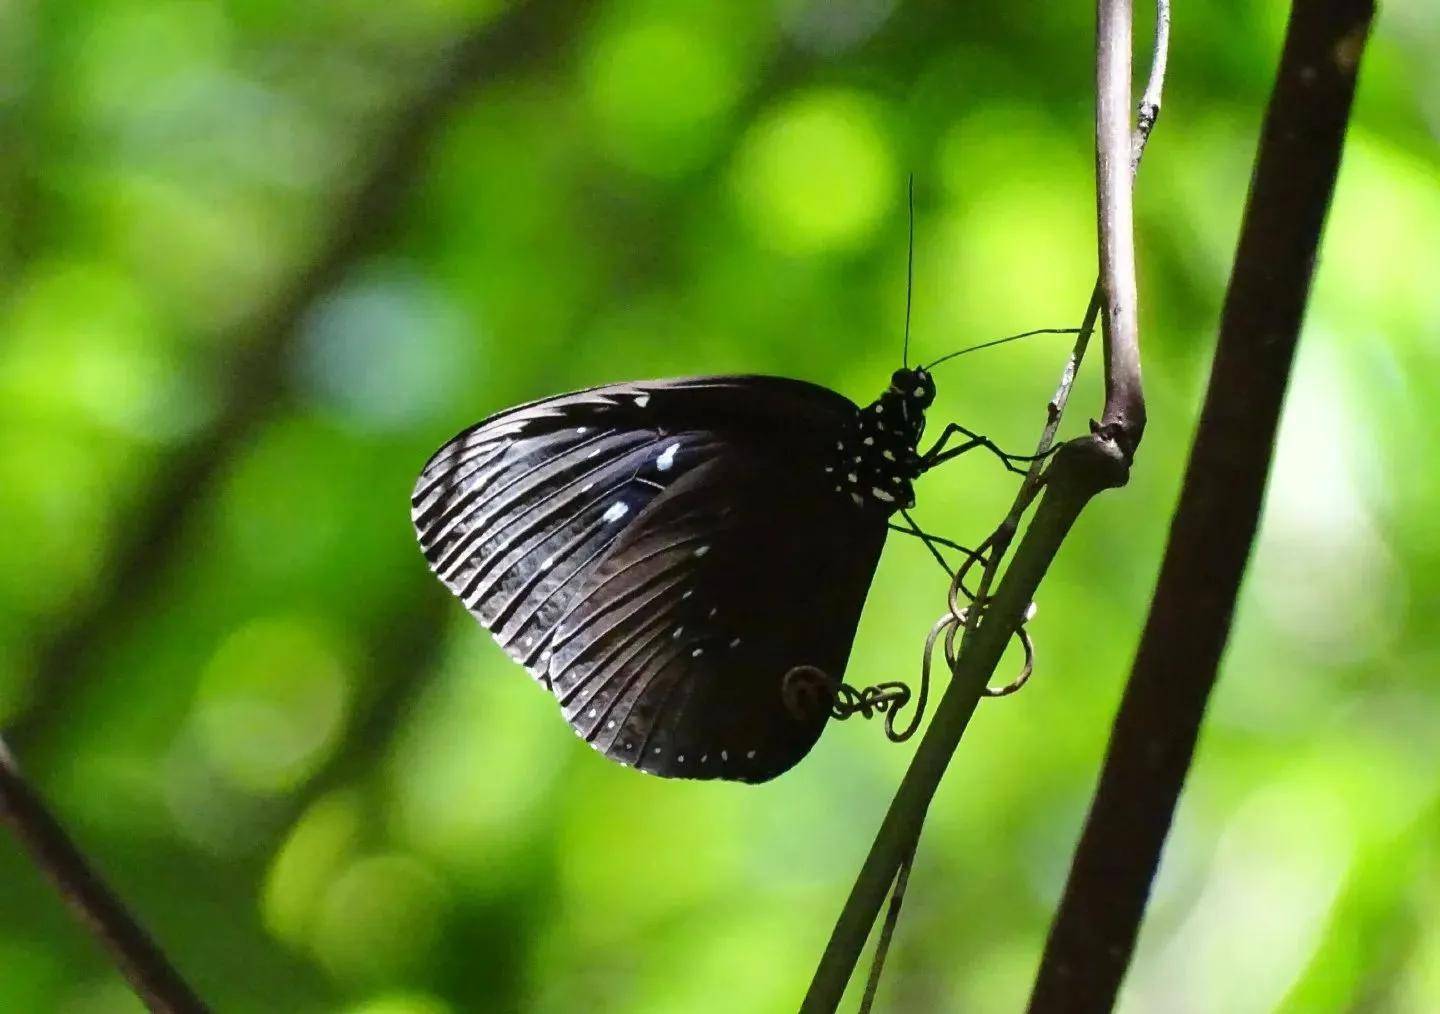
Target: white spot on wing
[[888, 455], [880, 494], [617, 511], [702, 550], [642, 400], [667, 458], [697, 653]]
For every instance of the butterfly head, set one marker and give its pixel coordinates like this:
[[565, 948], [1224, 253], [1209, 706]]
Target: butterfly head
[[916, 386]]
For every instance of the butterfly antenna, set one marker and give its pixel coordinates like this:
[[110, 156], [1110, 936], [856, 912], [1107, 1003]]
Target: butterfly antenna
[[1002, 341], [909, 275]]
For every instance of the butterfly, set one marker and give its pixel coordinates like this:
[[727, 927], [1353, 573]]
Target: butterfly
[[681, 563]]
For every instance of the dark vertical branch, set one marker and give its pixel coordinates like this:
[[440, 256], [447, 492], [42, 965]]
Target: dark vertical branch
[[1214, 526], [135, 953], [152, 532]]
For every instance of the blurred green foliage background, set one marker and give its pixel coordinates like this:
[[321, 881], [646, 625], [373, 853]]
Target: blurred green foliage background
[[326, 790]]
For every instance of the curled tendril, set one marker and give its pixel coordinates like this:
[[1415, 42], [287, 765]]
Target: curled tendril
[[890, 698]]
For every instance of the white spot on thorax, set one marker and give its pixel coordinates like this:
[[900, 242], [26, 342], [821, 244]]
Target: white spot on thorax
[[750, 755], [697, 653], [735, 643], [617, 511], [665, 460]]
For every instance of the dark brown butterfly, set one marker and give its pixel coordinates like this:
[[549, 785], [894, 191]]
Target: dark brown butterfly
[[682, 563]]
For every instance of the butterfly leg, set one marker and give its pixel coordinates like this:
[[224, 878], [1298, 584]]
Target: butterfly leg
[[940, 453], [934, 541]]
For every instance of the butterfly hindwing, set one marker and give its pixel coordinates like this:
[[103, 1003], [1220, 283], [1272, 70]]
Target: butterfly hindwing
[[677, 662], [659, 556]]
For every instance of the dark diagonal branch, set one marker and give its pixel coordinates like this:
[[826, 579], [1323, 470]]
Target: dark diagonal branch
[[1080, 470], [142, 963], [1214, 526], [153, 530]]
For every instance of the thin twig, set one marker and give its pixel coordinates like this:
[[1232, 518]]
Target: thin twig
[[887, 933], [1213, 530], [1148, 114], [1124, 417], [135, 953], [153, 532], [1081, 469]]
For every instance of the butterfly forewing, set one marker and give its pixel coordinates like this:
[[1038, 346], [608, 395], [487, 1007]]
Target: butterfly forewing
[[660, 556]]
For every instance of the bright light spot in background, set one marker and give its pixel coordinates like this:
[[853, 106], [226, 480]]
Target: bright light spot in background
[[53, 513], [271, 704], [1388, 196], [380, 921], [1013, 249], [136, 58], [1323, 573], [321, 841], [817, 173], [387, 351], [401, 1003], [82, 341], [1261, 913], [659, 90]]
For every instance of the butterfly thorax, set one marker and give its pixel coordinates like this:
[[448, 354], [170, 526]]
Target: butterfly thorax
[[877, 457]]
